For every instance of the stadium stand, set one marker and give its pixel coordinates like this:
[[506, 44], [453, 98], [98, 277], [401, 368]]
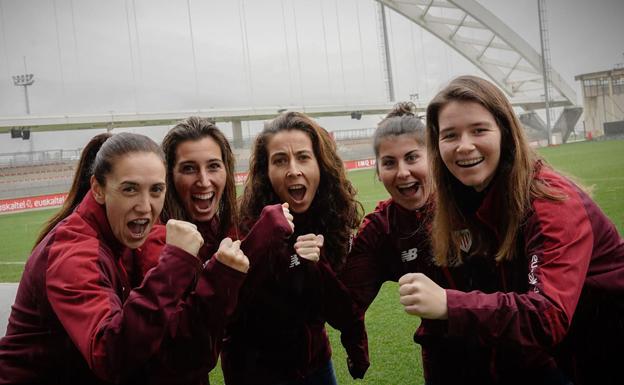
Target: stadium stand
[[41, 173]]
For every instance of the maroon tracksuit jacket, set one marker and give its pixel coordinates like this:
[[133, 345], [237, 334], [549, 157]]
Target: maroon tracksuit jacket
[[391, 242], [277, 332], [89, 311], [556, 311]]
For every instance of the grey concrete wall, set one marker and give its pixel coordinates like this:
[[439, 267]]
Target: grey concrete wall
[[7, 297]]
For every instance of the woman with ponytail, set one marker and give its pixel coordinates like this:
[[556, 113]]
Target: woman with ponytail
[[87, 310], [393, 240]]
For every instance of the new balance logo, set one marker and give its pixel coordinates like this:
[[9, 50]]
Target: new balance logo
[[409, 255], [294, 261]]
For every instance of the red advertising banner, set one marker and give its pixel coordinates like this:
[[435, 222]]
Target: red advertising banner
[[357, 164], [240, 177], [30, 203]]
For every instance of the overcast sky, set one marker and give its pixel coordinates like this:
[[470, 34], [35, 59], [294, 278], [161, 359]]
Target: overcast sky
[[96, 56]]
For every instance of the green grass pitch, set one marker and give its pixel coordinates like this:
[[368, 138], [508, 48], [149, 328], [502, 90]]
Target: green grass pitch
[[395, 359]]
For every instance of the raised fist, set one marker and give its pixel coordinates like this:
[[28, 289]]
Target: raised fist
[[288, 216], [184, 235], [230, 254], [422, 297], [309, 246]]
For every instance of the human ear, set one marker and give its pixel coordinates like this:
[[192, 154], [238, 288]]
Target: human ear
[[98, 191]]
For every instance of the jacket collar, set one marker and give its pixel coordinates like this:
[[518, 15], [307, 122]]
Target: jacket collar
[[490, 211], [95, 215], [404, 219], [212, 237]]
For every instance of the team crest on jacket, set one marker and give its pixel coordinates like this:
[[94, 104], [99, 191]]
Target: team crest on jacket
[[465, 240], [409, 255]]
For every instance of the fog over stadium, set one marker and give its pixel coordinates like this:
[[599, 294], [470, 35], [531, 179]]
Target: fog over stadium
[[154, 56]]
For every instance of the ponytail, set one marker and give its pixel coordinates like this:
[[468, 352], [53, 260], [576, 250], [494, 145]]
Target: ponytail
[[401, 120], [80, 185]]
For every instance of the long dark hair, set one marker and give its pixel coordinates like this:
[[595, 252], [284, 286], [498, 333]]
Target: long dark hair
[[515, 172], [339, 213], [192, 129], [97, 159]]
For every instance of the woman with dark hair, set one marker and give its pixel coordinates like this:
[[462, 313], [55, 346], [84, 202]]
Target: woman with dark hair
[[201, 190], [200, 180], [537, 288], [277, 334], [87, 309], [393, 240]]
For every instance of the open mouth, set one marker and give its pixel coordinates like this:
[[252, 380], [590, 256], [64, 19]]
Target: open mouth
[[297, 191], [203, 202], [138, 228], [466, 163], [409, 189]]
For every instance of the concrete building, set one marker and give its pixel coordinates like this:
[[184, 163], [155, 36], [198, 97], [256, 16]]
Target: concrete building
[[603, 99]]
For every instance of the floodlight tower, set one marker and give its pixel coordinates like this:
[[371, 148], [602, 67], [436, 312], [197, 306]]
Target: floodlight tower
[[24, 80], [544, 42]]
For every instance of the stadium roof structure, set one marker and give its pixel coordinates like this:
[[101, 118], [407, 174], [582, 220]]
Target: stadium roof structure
[[488, 43], [131, 119], [124, 120], [465, 25]]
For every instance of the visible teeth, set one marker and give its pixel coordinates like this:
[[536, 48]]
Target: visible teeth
[[408, 185], [296, 187], [469, 162], [140, 221], [204, 196]]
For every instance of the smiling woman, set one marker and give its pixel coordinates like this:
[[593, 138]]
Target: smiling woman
[[393, 240], [87, 310], [534, 270], [200, 175]]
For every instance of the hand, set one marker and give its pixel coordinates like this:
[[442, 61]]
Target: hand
[[230, 254], [184, 235], [288, 215], [309, 246], [422, 297], [356, 371]]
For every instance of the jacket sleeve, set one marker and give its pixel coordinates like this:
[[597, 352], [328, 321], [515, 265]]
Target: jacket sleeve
[[362, 273], [197, 329], [559, 242], [343, 314], [270, 231], [113, 336]]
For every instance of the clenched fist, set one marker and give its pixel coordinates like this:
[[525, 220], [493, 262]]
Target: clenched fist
[[184, 235], [309, 246], [422, 297], [230, 254], [288, 216]]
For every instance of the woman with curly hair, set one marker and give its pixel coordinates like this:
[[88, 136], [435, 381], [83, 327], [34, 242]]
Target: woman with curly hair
[[277, 334]]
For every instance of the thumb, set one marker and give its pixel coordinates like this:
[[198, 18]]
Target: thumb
[[320, 240], [285, 205], [226, 243]]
